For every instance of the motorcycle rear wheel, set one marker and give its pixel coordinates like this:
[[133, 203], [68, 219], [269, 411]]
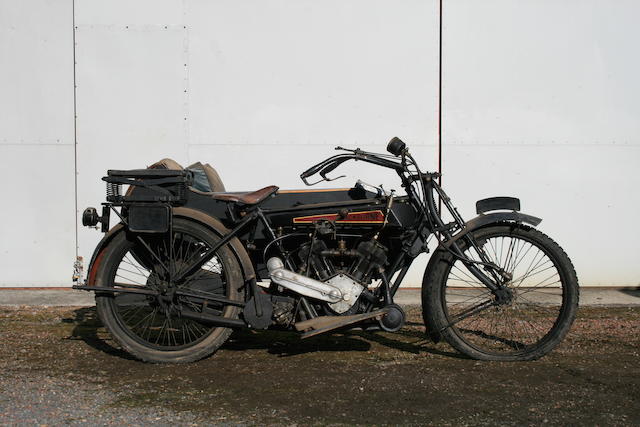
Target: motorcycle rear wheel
[[150, 329], [544, 301]]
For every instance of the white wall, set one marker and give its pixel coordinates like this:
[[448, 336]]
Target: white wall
[[37, 219], [540, 101]]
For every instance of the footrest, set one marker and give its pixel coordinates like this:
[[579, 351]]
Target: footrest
[[323, 324]]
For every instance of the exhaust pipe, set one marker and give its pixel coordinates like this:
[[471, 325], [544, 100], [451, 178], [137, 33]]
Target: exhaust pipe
[[301, 284]]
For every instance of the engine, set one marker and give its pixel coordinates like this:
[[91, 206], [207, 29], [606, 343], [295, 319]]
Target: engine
[[360, 263], [331, 268]]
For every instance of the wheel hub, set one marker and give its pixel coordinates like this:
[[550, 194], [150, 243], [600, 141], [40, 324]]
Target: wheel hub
[[504, 296]]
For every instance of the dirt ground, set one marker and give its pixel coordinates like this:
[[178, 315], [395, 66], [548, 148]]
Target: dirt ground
[[371, 378]]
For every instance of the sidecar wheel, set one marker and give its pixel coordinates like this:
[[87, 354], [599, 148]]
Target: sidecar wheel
[[535, 317], [149, 328]]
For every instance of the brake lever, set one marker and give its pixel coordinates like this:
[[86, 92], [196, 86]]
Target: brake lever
[[307, 183], [350, 150], [331, 179], [324, 178]]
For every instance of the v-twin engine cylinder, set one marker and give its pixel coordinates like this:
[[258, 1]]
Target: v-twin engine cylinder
[[341, 292]]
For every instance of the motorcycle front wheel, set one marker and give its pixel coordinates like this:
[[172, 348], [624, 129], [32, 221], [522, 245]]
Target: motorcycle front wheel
[[541, 303], [152, 328]]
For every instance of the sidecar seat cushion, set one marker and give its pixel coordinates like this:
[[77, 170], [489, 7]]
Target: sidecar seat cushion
[[166, 164], [206, 179], [214, 178], [250, 198]]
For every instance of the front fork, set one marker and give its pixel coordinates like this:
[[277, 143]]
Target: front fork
[[498, 277]]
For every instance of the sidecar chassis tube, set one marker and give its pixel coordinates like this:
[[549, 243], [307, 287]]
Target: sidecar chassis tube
[[223, 300], [117, 290], [155, 293], [213, 320]]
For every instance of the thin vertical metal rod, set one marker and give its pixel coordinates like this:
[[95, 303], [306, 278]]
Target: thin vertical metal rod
[[440, 106], [75, 124]]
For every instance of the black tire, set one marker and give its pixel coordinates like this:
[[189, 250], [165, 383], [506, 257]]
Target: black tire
[[152, 330], [531, 325]]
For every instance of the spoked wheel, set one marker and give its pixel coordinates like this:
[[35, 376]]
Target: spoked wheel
[[523, 322], [152, 327]]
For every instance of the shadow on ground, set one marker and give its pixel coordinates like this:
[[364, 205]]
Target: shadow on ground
[[632, 292], [86, 324], [281, 343]]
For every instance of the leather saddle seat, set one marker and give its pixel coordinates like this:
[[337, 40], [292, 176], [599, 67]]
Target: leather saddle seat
[[249, 198], [208, 182]]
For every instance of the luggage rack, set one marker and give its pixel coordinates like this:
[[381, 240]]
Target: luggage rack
[[153, 185]]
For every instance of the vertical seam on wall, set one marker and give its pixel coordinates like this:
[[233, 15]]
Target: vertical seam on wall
[[75, 126], [185, 58], [440, 106]]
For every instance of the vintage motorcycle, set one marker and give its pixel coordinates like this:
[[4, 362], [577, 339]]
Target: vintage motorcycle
[[188, 262]]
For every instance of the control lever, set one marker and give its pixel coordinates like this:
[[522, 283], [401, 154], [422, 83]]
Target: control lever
[[329, 168], [350, 150], [324, 178]]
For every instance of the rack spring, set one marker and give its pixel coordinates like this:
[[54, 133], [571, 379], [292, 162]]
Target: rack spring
[[114, 191], [180, 192]]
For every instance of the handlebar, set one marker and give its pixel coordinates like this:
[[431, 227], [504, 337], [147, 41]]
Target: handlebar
[[316, 168], [333, 162], [326, 165]]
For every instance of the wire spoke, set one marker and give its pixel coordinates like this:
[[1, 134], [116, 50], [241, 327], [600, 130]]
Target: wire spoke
[[158, 322], [516, 324]]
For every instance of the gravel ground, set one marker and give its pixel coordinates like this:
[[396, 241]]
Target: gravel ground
[[37, 399], [58, 366]]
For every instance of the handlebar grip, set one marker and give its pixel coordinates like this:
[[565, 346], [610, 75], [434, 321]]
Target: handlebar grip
[[316, 168], [311, 171], [329, 168]]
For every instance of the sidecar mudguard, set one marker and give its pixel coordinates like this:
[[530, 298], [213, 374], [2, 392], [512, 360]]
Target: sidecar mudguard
[[181, 212]]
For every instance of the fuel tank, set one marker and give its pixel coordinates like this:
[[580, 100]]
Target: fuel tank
[[348, 207]]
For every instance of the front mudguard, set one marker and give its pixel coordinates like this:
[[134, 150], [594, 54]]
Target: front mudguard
[[484, 220], [481, 221]]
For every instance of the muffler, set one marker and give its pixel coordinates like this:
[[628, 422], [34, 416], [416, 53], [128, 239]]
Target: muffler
[[301, 284]]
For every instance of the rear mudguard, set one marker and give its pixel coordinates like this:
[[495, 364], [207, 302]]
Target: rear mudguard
[[97, 252], [198, 216], [481, 221]]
